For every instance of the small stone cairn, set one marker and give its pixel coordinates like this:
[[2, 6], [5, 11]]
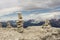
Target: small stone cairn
[[20, 23], [8, 25], [47, 24]]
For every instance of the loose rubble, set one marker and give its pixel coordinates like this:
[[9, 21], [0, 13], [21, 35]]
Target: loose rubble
[[31, 33]]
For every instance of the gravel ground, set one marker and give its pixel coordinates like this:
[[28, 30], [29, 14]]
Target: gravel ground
[[31, 33]]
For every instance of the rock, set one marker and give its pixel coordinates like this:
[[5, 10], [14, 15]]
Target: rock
[[31, 33]]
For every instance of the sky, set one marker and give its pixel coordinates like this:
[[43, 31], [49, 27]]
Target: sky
[[37, 10]]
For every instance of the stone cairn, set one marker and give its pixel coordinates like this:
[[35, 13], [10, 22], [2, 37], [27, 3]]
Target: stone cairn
[[8, 24], [19, 23], [47, 24]]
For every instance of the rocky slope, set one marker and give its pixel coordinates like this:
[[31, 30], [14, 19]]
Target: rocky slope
[[31, 33]]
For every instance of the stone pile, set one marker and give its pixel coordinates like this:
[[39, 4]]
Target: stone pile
[[8, 24], [19, 23], [47, 24]]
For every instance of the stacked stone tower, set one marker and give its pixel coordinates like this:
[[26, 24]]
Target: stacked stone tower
[[47, 24], [20, 23], [8, 24]]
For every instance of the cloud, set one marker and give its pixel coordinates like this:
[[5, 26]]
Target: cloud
[[9, 6], [8, 3], [10, 10], [39, 4], [42, 17], [8, 18], [27, 4], [55, 3]]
